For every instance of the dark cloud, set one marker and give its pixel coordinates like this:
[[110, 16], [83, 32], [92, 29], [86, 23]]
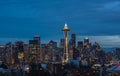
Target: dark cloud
[[24, 18]]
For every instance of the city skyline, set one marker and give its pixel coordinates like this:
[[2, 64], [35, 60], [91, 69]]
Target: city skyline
[[22, 19], [104, 41]]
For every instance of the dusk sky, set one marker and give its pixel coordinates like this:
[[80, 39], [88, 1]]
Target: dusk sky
[[98, 19]]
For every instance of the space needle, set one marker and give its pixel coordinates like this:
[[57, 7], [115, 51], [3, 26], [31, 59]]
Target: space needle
[[65, 55]]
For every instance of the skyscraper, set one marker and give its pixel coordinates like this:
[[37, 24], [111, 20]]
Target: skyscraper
[[9, 52], [73, 39], [52, 47], [72, 44], [44, 52], [80, 45], [2, 53], [52, 44], [62, 43], [75, 53], [34, 49], [19, 51], [37, 37], [86, 41], [65, 31]]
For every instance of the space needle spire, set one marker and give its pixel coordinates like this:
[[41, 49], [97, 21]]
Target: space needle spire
[[65, 31]]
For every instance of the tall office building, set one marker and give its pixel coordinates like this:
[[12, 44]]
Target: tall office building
[[72, 44], [97, 46], [18, 51], [2, 53], [44, 53], [52, 44], [37, 37], [26, 53], [73, 39], [86, 41], [80, 45], [34, 49], [75, 53], [9, 53], [62, 43]]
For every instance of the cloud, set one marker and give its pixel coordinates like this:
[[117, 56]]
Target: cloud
[[111, 6], [17, 11]]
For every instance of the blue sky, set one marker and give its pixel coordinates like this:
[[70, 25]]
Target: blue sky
[[22, 19]]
